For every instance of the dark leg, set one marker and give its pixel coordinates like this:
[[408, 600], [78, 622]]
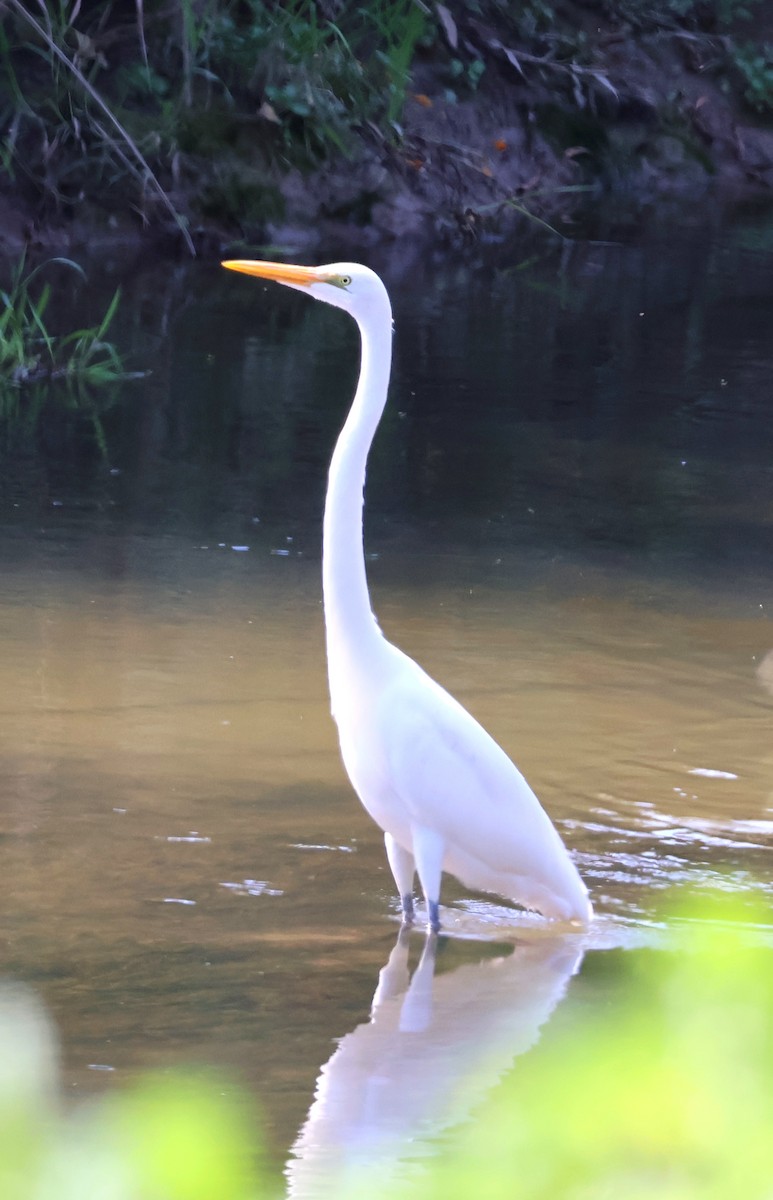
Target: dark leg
[[429, 849]]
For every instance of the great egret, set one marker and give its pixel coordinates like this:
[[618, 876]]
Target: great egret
[[445, 794]]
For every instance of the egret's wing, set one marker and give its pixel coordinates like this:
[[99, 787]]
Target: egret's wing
[[453, 778]]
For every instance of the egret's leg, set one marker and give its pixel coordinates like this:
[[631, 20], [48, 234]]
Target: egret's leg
[[403, 869], [429, 850]]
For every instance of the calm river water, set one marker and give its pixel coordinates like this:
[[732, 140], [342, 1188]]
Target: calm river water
[[569, 523]]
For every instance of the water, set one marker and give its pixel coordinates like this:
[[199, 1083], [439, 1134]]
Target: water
[[569, 524]]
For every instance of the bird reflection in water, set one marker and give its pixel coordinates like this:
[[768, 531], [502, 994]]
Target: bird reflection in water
[[434, 1046]]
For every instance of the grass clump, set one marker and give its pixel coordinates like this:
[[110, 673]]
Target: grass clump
[[31, 353], [92, 100]]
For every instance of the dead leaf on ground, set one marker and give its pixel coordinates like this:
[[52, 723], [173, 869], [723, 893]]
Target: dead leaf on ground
[[449, 25], [268, 113]]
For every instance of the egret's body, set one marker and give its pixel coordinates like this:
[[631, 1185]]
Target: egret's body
[[445, 794]]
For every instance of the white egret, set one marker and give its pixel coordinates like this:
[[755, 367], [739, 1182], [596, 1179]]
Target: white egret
[[445, 794]]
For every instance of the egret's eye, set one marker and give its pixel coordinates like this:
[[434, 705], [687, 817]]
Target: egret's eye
[[339, 281]]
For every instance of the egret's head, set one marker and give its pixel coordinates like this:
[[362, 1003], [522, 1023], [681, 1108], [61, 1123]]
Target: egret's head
[[350, 286]]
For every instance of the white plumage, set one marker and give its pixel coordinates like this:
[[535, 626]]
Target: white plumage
[[445, 794]]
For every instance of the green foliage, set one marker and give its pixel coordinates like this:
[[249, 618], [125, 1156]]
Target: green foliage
[[400, 27], [184, 1138], [322, 78], [92, 100], [295, 83], [30, 352], [66, 110], [316, 88], [755, 66], [665, 1090], [469, 74], [706, 15], [730, 12], [188, 1137]]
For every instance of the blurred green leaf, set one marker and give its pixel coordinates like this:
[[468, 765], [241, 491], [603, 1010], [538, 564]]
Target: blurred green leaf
[[186, 1137], [667, 1092], [663, 1091]]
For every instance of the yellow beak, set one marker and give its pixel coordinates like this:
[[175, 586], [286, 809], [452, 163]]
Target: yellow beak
[[281, 272]]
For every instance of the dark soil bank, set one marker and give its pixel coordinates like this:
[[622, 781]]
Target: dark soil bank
[[276, 124]]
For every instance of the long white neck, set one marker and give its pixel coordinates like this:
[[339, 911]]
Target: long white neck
[[353, 636]]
